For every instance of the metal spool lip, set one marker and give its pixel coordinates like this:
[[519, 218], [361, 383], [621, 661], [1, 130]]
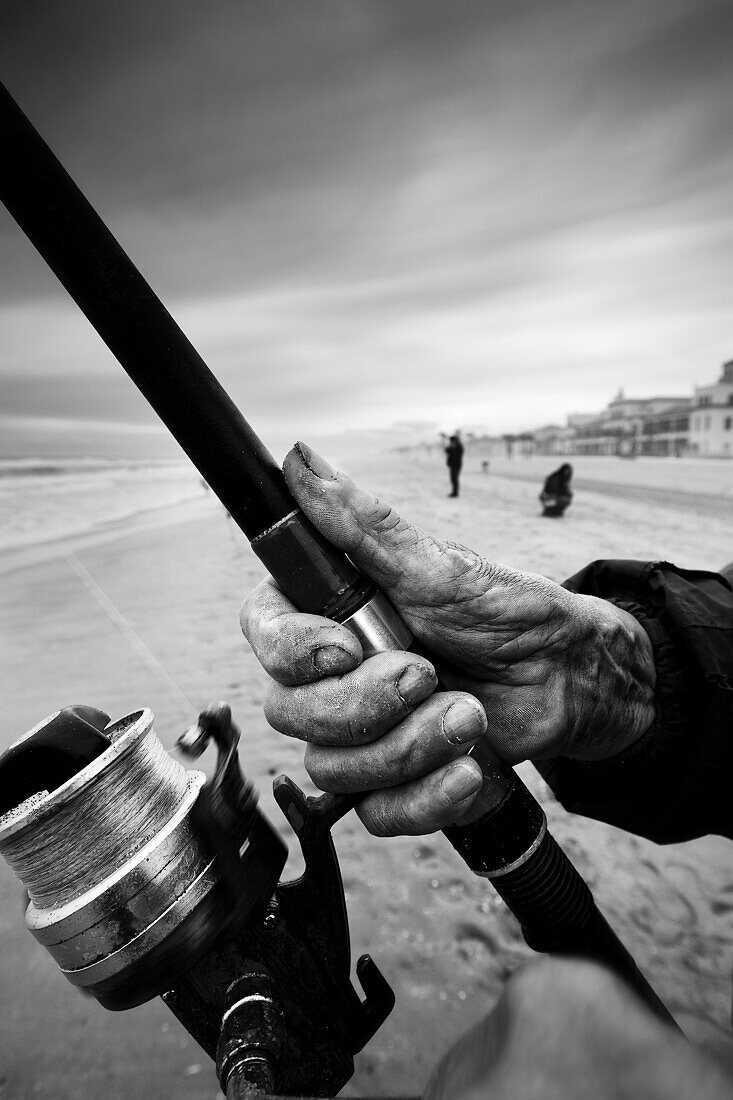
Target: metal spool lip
[[120, 929], [134, 950], [140, 723], [54, 925], [204, 914]]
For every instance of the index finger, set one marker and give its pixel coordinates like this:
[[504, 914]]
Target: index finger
[[292, 647]]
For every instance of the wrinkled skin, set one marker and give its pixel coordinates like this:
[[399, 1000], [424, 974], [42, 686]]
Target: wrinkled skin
[[536, 670]]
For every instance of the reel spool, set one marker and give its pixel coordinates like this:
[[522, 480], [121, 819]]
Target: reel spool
[[135, 867]]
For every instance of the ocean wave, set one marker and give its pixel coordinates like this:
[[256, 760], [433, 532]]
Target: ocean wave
[[28, 467], [44, 499]]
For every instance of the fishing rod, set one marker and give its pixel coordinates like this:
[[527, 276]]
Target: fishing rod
[[508, 843]]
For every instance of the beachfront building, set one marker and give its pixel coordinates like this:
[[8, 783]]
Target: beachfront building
[[711, 418], [620, 428], [553, 439], [667, 433], [575, 422], [519, 446], [664, 426]]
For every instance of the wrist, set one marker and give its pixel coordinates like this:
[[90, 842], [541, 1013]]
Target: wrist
[[614, 679]]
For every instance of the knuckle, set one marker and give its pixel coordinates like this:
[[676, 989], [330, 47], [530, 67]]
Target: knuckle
[[469, 573], [319, 767], [259, 605], [277, 710], [246, 614], [409, 763], [295, 651], [394, 814], [356, 730], [390, 764], [332, 770], [275, 654], [365, 703], [377, 817]]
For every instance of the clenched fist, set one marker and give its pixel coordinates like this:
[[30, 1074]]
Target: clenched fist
[[535, 669]]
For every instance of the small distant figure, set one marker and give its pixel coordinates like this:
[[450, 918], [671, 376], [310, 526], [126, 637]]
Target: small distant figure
[[484, 467], [556, 493], [454, 460]]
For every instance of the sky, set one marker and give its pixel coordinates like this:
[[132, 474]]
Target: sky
[[449, 213]]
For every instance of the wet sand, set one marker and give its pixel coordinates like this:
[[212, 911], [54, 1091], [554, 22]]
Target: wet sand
[[439, 935]]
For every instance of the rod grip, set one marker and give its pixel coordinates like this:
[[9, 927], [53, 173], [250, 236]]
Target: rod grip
[[558, 915]]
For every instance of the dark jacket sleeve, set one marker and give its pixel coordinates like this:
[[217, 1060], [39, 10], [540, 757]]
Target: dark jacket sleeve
[[676, 783]]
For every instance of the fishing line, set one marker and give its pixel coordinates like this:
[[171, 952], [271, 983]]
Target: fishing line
[[85, 830], [128, 631]]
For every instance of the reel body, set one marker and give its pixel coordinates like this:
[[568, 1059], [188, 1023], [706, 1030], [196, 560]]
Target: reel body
[[145, 878], [124, 878]]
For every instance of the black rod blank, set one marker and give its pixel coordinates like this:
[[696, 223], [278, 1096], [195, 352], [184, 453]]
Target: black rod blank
[[167, 369], [136, 327]]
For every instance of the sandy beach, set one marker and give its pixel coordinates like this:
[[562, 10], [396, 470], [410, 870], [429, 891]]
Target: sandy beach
[[176, 574]]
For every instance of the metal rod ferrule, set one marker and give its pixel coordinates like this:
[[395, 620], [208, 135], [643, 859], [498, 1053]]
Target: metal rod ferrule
[[378, 626]]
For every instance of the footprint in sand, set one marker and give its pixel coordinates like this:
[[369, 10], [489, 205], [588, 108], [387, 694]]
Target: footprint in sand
[[720, 905], [474, 943], [707, 956], [661, 910], [423, 852], [723, 903], [686, 869], [490, 953], [454, 890]]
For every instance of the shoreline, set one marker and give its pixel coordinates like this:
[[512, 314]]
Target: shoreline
[[29, 554]]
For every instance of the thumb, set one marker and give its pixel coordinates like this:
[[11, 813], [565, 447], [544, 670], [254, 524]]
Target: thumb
[[411, 566]]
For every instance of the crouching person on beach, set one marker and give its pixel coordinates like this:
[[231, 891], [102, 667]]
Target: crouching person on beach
[[618, 685]]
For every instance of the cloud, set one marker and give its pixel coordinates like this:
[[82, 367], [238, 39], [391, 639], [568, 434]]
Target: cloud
[[368, 211]]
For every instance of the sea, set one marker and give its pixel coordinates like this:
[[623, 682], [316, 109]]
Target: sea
[[43, 500]]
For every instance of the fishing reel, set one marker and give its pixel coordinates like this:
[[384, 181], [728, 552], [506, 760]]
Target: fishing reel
[[145, 879]]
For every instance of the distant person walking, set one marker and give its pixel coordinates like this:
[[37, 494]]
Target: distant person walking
[[556, 493], [454, 459]]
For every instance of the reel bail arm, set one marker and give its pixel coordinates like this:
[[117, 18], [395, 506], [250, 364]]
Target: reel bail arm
[[291, 1016]]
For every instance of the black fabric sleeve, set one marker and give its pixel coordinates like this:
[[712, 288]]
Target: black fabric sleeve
[[675, 783]]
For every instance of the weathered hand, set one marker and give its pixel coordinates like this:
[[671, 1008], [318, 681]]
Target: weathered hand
[[538, 670]]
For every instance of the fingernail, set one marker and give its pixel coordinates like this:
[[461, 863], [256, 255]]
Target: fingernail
[[314, 462], [331, 658], [412, 684], [461, 781], [462, 722]]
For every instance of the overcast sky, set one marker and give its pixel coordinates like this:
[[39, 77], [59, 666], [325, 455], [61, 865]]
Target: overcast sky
[[367, 211]]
